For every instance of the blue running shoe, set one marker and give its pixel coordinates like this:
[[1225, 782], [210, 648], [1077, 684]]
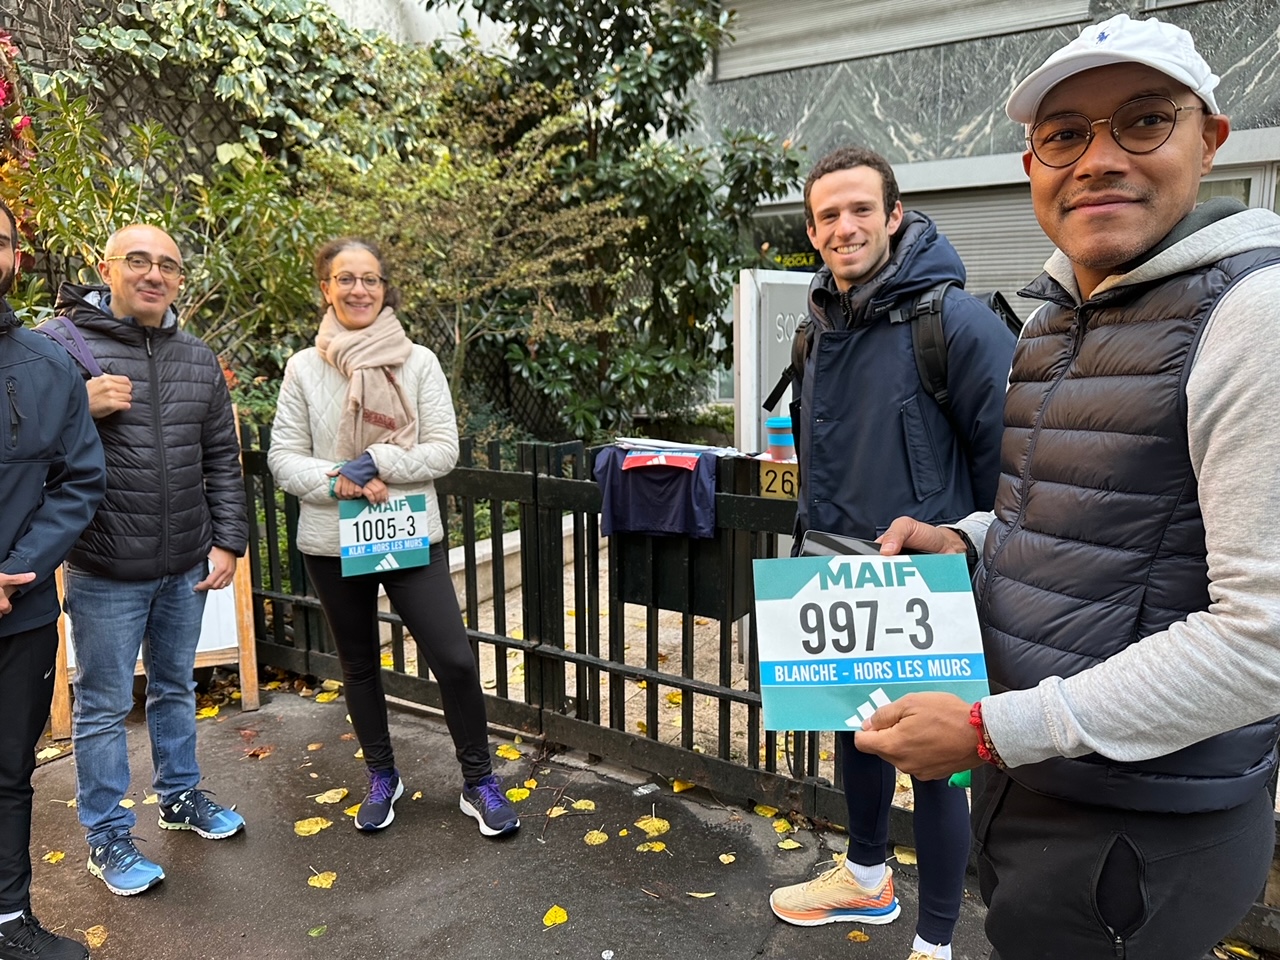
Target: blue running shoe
[[193, 810], [124, 870], [378, 809], [488, 805]]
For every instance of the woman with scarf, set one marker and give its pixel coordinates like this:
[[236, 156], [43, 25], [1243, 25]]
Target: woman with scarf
[[367, 413]]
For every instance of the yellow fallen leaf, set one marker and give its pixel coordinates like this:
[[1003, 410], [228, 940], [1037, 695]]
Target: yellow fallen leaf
[[48, 753], [623, 832], [489, 684], [516, 634], [653, 826], [151, 798], [311, 826], [388, 660], [352, 810], [904, 855], [652, 846], [95, 936], [508, 752], [857, 936], [531, 784], [642, 727], [126, 803], [273, 685], [235, 695], [327, 697], [571, 612], [555, 916], [330, 685], [359, 754], [584, 804], [518, 739], [332, 796], [782, 826], [313, 747], [675, 698], [417, 795], [824, 754], [1237, 948], [205, 713], [517, 794], [677, 721], [594, 838], [763, 811], [680, 786], [642, 684], [788, 844], [556, 812], [54, 856], [322, 880], [727, 858], [700, 896]]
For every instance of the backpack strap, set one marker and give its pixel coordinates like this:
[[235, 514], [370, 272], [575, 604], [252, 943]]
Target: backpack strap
[[62, 331], [801, 343], [929, 343]]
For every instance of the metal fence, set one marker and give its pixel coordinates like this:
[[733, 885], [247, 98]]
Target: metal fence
[[636, 649]]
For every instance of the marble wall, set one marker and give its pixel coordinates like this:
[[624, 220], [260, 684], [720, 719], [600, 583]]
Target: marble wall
[[947, 102]]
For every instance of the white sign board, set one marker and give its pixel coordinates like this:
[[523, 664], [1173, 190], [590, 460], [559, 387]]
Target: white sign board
[[768, 306]]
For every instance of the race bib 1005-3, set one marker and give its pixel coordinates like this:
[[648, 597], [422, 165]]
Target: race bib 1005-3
[[383, 536], [841, 636]]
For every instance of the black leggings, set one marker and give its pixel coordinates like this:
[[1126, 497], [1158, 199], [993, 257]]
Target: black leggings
[[425, 599], [941, 822]]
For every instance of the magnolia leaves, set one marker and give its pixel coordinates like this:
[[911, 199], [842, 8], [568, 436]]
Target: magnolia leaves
[[335, 795], [311, 826], [323, 880]]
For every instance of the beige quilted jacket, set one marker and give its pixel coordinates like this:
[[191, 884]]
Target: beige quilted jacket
[[304, 439]]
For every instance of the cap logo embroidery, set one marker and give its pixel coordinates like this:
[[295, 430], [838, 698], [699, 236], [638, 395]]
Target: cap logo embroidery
[[1103, 36]]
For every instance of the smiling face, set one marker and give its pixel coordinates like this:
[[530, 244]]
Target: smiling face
[[850, 229], [1111, 206], [356, 306], [143, 295]]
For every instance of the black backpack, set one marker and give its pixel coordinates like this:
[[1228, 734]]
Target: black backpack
[[927, 340]]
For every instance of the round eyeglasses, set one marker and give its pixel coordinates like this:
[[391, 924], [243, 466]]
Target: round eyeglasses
[[1139, 126], [370, 281], [140, 263]]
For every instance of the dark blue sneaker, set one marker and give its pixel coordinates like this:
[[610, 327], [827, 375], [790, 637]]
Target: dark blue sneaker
[[193, 810], [378, 809], [124, 870], [485, 802], [22, 938]]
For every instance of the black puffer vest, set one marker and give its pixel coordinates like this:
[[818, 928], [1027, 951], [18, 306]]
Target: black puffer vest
[[1098, 538]]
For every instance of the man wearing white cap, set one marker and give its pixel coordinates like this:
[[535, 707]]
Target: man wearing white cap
[[1129, 584]]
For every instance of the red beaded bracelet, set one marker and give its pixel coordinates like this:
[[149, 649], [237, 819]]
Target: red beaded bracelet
[[986, 749]]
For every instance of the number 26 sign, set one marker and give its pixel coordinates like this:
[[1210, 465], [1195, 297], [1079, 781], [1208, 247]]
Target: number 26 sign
[[842, 636]]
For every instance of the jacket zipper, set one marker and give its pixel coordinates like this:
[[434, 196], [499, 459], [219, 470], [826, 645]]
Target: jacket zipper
[[158, 426], [1077, 338], [15, 415]]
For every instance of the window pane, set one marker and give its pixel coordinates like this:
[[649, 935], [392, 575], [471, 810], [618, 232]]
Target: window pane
[[1236, 189]]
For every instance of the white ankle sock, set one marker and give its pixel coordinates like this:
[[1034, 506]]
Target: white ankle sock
[[940, 951], [6, 917], [868, 877]]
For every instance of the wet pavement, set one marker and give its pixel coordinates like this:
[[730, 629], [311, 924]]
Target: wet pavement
[[431, 886]]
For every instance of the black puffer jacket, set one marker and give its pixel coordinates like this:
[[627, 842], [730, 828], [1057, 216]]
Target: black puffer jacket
[[174, 487]]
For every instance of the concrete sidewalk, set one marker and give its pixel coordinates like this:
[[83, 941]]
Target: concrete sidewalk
[[431, 886]]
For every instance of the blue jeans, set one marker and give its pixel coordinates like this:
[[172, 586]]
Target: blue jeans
[[111, 620]]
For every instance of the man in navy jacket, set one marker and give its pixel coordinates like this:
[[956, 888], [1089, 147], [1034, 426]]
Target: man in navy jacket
[[873, 443], [53, 476]]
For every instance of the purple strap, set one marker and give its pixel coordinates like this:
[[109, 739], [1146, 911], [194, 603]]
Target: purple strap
[[58, 329]]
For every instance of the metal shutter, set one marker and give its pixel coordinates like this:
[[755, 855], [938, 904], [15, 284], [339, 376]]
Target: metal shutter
[[996, 234], [771, 36]]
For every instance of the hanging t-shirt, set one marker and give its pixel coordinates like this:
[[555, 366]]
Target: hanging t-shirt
[[657, 491]]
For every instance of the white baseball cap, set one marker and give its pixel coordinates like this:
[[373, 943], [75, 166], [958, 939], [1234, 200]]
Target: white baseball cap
[[1159, 45]]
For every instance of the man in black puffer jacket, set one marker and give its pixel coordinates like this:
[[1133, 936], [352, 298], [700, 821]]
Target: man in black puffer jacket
[[170, 529]]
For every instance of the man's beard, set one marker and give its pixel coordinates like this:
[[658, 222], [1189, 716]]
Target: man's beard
[[6, 282]]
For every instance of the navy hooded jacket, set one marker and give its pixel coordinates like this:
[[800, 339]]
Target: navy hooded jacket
[[873, 445], [51, 467]]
